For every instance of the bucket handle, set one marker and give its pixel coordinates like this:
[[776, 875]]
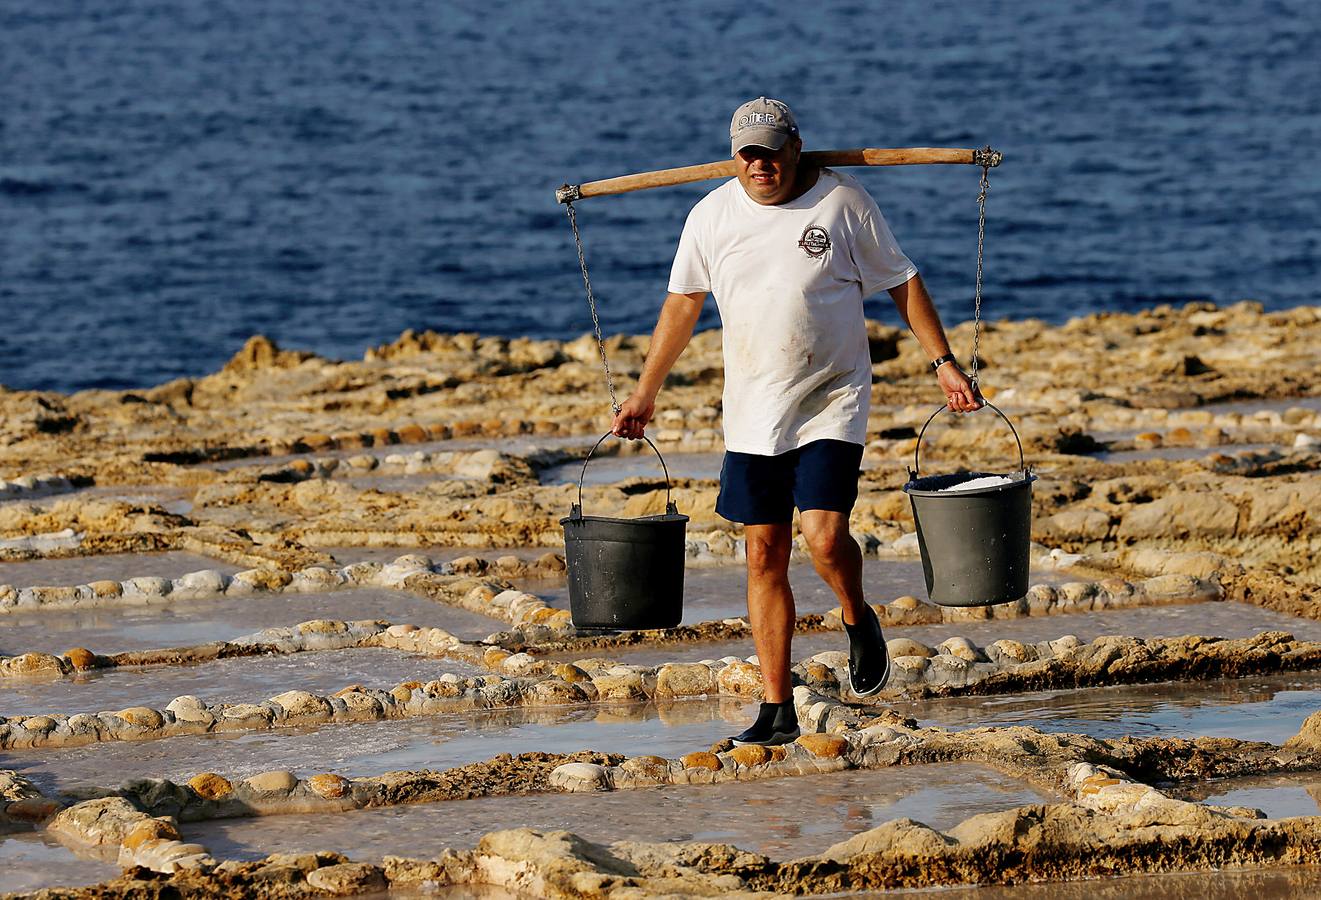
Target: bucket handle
[[670, 508], [914, 472]]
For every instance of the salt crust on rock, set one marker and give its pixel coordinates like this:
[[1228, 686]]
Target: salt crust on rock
[[1113, 822], [1062, 662]]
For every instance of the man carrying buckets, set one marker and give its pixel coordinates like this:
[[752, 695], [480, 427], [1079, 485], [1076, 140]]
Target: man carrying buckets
[[790, 252]]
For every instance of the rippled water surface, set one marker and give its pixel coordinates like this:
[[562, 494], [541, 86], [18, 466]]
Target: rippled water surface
[[1251, 709], [1278, 796], [176, 177], [1228, 620], [1223, 884], [241, 680], [187, 622], [783, 817], [108, 567], [720, 592], [29, 861], [372, 748]]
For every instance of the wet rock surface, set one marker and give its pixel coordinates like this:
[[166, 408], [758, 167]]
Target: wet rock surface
[[299, 594]]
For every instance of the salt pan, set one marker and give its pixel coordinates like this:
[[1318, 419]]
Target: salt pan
[[985, 481]]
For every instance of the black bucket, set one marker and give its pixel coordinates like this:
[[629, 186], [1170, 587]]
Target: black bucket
[[975, 544], [625, 573]]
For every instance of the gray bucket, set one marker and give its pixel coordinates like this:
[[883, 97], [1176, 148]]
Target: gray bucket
[[625, 574], [975, 544]]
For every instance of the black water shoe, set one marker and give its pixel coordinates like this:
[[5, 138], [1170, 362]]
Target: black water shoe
[[777, 723], [869, 660]]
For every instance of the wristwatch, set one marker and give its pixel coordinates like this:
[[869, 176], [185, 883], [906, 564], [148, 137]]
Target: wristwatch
[[948, 357]]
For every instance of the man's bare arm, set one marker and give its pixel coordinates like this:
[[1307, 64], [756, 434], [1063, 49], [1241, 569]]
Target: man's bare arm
[[674, 329], [919, 314]]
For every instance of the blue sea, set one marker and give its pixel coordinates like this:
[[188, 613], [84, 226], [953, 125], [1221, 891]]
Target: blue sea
[[177, 175]]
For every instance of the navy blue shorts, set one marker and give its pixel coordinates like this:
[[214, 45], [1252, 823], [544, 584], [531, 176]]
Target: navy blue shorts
[[763, 490]]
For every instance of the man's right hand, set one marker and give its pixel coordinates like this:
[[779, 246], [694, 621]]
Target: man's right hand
[[633, 416]]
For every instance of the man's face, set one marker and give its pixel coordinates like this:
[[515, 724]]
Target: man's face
[[768, 175]]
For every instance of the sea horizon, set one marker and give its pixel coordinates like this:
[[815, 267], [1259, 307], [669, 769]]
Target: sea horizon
[[338, 176]]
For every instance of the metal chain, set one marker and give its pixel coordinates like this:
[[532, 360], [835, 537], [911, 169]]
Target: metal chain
[[977, 292], [591, 302]]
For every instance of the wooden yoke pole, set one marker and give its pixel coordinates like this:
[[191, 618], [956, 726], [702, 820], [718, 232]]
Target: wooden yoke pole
[[865, 156]]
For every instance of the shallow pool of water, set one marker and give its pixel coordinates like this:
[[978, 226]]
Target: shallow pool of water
[[1219, 619], [30, 861], [1178, 453], [111, 567], [242, 680], [1225, 884], [186, 623], [1226, 619], [401, 484], [175, 500], [518, 445], [1247, 407], [348, 555], [1270, 709], [1278, 796], [372, 748], [782, 817], [720, 592]]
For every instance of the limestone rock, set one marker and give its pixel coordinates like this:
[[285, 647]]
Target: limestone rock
[[302, 705], [654, 768], [685, 680], [580, 777], [624, 686], [750, 755], [899, 836], [210, 786], [1308, 738], [347, 879], [141, 717], [199, 584], [190, 709], [740, 678], [96, 822], [148, 588], [701, 759], [329, 785], [81, 658], [826, 746], [962, 648], [35, 664], [277, 782], [1202, 514], [908, 647]]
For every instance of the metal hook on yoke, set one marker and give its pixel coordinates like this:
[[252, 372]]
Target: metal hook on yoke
[[915, 472], [577, 511]]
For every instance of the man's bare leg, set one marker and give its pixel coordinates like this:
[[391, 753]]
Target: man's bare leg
[[838, 561], [836, 557], [771, 605]]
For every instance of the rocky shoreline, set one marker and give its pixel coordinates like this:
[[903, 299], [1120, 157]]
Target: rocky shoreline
[[1179, 460]]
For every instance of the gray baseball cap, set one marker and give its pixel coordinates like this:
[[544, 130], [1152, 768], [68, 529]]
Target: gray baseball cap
[[761, 123]]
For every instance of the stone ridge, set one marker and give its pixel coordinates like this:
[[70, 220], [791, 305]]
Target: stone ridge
[[1109, 823], [1146, 496], [956, 667]]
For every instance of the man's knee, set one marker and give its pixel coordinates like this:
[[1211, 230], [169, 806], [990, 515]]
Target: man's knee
[[829, 541], [768, 554]]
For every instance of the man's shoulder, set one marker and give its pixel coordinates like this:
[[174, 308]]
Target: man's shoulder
[[845, 188], [707, 210], [717, 196]]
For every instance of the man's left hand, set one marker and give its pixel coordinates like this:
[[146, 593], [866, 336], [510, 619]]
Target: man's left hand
[[959, 392]]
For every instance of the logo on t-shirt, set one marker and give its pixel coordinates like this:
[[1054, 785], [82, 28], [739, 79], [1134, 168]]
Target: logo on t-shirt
[[815, 241]]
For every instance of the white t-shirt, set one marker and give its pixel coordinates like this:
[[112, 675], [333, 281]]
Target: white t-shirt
[[789, 282]]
